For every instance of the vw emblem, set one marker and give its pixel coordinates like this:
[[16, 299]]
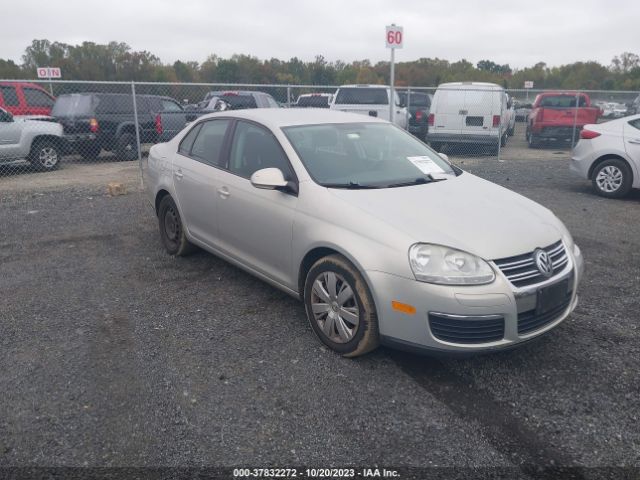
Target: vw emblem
[[543, 262]]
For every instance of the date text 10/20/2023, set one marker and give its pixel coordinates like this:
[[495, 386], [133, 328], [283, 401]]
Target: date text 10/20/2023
[[315, 473]]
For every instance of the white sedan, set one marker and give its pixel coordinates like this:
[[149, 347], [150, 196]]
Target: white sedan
[[608, 154]]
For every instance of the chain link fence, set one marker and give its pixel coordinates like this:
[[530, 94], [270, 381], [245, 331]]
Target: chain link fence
[[46, 125]]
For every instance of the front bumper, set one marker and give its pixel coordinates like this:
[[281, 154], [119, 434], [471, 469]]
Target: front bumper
[[499, 299]]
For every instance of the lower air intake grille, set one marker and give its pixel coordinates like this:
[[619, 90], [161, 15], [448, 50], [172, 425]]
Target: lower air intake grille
[[529, 322], [466, 329]]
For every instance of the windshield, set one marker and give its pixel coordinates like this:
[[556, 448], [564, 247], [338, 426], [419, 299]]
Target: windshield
[[72, 105], [362, 96], [357, 155]]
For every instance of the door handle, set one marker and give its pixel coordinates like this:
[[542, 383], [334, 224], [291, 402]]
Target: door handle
[[178, 174], [635, 141], [224, 192]]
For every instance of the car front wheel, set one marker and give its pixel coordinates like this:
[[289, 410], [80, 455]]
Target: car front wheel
[[45, 155], [612, 178], [340, 307]]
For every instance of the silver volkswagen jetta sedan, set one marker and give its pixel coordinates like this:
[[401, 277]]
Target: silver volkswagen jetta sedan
[[383, 239]]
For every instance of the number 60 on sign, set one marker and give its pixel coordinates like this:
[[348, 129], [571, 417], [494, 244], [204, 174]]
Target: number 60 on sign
[[394, 36]]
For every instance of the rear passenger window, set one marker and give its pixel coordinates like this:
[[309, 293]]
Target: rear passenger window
[[37, 98], [255, 148], [187, 141], [208, 143], [9, 96], [635, 123]]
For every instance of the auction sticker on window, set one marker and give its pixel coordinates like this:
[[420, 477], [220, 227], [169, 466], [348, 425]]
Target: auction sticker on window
[[426, 164]]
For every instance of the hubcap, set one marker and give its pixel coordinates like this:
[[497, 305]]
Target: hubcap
[[609, 179], [334, 307], [48, 157]]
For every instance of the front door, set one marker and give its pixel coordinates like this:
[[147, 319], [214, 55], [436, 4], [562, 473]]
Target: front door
[[10, 132], [632, 145], [256, 226]]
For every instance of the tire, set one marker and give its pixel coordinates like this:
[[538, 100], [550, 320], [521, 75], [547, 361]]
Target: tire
[[511, 131], [45, 155], [126, 147], [349, 325], [503, 140], [436, 146], [532, 141], [89, 151], [612, 178], [172, 231]]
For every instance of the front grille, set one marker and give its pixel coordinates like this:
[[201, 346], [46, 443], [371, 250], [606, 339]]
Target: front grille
[[466, 330], [529, 321], [521, 270]]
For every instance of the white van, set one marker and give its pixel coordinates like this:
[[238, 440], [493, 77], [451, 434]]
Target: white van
[[475, 113], [372, 100]]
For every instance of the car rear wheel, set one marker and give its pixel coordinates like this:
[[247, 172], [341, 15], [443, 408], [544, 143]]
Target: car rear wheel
[[532, 141], [127, 147], [612, 178], [172, 231], [340, 307], [45, 155]]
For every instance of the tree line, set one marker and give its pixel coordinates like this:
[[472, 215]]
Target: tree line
[[117, 61]]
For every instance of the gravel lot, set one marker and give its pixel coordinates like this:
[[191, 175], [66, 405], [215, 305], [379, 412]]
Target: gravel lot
[[115, 354]]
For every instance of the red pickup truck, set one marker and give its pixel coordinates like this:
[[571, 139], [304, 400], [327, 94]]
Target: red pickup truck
[[554, 115]]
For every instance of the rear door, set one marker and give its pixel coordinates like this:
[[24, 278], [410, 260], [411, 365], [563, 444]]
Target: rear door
[[449, 111], [37, 101], [196, 168]]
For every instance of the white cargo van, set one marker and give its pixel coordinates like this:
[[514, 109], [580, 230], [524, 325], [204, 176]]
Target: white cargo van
[[475, 113], [372, 100]]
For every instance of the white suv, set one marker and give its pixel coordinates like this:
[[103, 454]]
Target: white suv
[[36, 139], [372, 100]]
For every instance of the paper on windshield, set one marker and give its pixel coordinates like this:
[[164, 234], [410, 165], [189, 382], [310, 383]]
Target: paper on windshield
[[426, 164]]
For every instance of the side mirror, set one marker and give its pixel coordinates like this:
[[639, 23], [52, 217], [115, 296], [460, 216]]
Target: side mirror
[[269, 179], [444, 156]]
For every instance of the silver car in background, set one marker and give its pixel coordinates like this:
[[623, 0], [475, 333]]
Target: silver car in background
[[382, 238]]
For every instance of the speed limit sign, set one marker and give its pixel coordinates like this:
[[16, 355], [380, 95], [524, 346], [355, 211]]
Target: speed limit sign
[[394, 36]]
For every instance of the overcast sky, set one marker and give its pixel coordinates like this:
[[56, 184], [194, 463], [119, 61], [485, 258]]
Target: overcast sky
[[518, 32]]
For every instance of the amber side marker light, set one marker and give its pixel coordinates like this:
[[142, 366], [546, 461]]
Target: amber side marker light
[[403, 307]]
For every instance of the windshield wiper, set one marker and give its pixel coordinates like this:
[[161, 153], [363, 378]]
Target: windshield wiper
[[428, 178], [350, 186]]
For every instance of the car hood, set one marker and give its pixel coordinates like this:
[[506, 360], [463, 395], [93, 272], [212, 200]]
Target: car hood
[[463, 212]]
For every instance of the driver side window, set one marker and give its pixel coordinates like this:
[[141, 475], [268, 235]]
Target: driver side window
[[255, 148]]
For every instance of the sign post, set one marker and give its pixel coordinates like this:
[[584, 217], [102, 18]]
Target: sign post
[[395, 39], [528, 84], [49, 73]]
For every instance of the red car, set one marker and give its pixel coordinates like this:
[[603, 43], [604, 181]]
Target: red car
[[554, 114], [21, 98]]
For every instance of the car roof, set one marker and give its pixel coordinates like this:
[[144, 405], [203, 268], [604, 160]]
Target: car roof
[[286, 117], [481, 85]]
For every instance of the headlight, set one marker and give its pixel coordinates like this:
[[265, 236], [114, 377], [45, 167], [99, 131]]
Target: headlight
[[448, 266]]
